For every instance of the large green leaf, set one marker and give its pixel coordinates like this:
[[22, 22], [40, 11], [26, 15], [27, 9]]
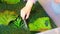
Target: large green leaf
[[40, 24], [7, 16], [11, 1], [12, 30]]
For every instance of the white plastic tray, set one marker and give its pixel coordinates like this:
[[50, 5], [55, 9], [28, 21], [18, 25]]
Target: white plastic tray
[[53, 31]]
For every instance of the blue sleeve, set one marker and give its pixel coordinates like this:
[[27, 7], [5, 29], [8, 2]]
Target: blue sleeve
[[55, 7]]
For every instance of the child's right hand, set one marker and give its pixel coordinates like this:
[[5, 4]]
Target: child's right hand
[[25, 12]]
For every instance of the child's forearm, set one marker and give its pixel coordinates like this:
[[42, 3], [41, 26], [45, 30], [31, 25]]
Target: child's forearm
[[29, 4]]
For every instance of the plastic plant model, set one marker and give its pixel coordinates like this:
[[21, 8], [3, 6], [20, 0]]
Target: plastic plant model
[[7, 16], [40, 24], [11, 1]]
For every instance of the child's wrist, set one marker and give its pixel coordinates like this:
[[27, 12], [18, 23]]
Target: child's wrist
[[29, 4], [32, 1]]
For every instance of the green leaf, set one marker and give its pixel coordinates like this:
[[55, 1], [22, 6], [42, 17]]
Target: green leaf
[[11, 1], [7, 16], [17, 22], [40, 23]]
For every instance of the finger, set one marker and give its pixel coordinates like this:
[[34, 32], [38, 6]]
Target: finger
[[27, 15], [22, 14]]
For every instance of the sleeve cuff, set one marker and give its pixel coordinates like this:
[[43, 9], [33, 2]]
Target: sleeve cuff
[[34, 1]]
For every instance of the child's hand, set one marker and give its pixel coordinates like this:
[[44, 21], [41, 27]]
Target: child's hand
[[25, 12], [57, 1]]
